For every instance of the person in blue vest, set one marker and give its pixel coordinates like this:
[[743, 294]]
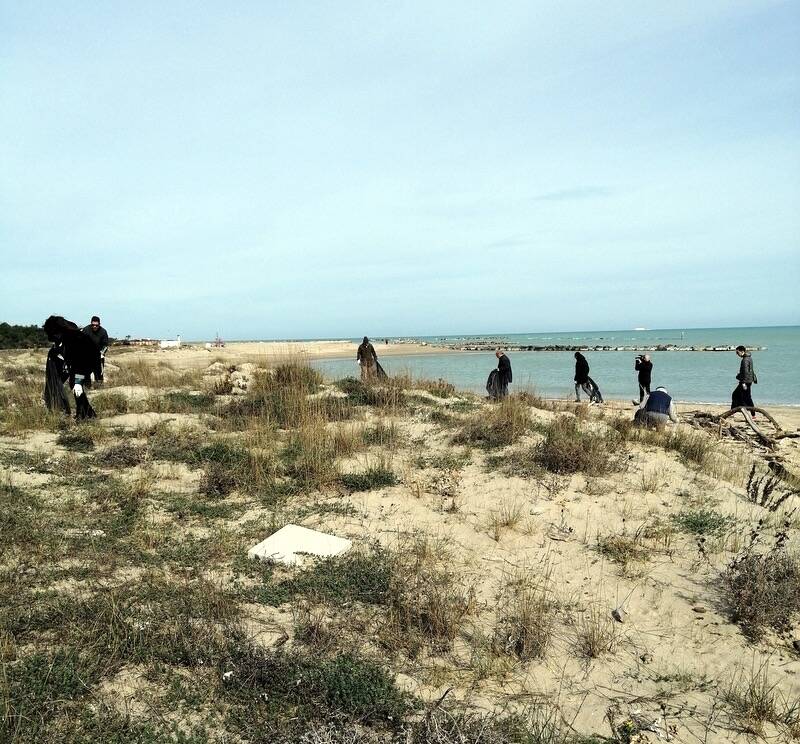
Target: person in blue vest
[[656, 410]]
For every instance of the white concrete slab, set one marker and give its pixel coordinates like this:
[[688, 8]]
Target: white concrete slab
[[289, 544]]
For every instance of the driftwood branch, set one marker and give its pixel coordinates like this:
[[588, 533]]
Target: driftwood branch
[[724, 424]]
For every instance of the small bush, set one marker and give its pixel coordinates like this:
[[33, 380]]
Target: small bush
[[762, 590], [217, 481], [110, 403], [567, 449], [427, 599], [498, 426], [596, 634], [184, 401], [703, 521], [124, 454], [753, 699], [526, 623], [377, 475], [387, 394]]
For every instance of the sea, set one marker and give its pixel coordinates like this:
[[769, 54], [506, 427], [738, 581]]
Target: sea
[[690, 376]]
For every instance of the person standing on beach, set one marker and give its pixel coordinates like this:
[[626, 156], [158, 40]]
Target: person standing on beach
[[98, 334], [368, 360], [742, 396], [504, 376], [584, 382], [644, 368]]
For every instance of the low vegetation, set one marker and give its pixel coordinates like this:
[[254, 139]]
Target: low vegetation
[[472, 607]]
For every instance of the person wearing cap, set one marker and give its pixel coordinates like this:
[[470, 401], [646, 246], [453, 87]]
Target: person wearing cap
[[98, 334], [656, 410], [368, 360], [644, 368]]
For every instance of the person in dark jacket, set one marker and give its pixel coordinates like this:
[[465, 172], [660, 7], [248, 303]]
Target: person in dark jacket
[[656, 410], [80, 359], [742, 396], [644, 369], [504, 376], [98, 334], [584, 382], [368, 359]]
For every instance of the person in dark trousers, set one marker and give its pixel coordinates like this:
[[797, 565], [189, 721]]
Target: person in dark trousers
[[504, 376], [644, 368], [80, 359], [98, 334], [656, 410], [742, 396], [584, 382], [368, 359]]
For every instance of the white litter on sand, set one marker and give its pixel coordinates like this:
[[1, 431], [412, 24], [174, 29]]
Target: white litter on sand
[[291, 542]]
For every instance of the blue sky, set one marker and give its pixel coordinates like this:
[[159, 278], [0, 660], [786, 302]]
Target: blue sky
[[295, 170]]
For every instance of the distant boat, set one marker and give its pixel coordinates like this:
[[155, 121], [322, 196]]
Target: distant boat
[[641, 329]]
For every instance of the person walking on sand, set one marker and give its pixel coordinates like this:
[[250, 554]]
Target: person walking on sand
[[656, 410], [98, 334], [644, 368], [368, 360], [742, 396], [584, 382], [504, 376]]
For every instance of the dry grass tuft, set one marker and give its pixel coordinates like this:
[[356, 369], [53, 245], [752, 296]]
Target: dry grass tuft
[[497, 426]]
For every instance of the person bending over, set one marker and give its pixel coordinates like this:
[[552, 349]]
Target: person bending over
[[656, 410], [80, 359], [504, 376], [644, 368]]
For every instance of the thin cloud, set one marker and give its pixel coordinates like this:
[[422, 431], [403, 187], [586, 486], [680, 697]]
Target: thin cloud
[[582, 192]]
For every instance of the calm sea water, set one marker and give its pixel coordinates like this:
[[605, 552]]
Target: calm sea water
[[703, 377]]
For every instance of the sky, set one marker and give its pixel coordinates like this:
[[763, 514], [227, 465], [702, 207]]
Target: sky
[[328, 170]]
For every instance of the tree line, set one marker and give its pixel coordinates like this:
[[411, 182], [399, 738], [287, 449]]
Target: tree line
[[21, 336]]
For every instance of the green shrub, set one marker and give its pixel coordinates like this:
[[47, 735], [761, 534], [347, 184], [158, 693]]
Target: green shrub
[[567, 449], [496, 426], [702, 521], [762, 590], [375, 476]]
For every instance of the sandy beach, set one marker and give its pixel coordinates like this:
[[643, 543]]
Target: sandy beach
[[588, 575]]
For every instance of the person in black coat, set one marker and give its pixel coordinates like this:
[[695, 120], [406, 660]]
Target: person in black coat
[[99, 335], [644, 369], [80, 358], [584, 382], [504, 376]]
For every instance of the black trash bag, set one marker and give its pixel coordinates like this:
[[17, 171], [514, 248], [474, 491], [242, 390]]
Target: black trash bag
[[493, 385], [595, 395], [54, 397], [380, 372]]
